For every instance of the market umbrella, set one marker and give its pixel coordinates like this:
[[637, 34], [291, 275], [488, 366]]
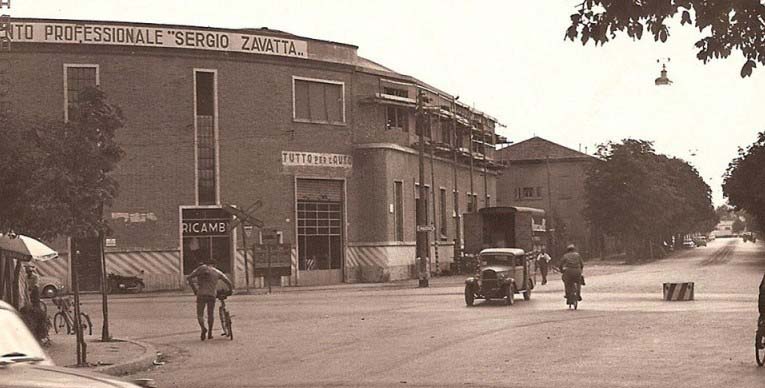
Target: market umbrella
[[26, 248]]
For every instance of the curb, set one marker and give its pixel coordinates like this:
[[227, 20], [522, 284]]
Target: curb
[[137, 364]]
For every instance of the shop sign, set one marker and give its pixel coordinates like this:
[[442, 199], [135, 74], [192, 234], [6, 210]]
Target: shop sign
[[317, 159], [205, 228], [155, 36]]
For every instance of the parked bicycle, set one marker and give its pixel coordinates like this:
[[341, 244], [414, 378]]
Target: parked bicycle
[[223, 313], [65, 317]]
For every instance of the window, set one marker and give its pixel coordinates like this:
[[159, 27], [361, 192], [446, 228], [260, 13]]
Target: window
[[529, 192], [318, 101], [471, 203], [205, 112], [396, 92], [398, 210], [76, 79], [442, 226], [396, 117]]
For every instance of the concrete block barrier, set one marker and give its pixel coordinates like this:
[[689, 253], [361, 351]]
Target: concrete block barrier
[[678, 291]]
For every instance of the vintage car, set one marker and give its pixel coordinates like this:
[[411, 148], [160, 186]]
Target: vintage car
[[503, 272], [51, 286]]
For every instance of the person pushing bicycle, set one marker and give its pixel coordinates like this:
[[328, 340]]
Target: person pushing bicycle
[[207, 277]]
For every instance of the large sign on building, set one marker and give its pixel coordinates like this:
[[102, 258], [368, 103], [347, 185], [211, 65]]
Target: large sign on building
[[154, 36], [317, 159]]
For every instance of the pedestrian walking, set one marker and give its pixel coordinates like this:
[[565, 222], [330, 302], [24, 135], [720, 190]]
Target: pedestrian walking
[[543, 261], [207, 278]]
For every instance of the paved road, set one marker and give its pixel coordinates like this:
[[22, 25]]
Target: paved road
[[623, 335]]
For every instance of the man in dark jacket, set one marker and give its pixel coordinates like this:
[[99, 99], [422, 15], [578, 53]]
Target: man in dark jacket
[[571, 265]]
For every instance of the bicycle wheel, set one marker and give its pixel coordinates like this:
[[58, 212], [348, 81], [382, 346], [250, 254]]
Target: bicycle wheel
[[229, 329], [86, 324], [759, 347], [59, 322]]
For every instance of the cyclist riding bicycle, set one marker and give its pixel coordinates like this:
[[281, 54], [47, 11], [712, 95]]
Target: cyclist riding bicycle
[[571, 266]]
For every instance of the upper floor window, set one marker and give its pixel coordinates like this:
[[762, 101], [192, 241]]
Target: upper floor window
[[528, 192], [318, 101], [396, 117], [396, 92], [76, 79]]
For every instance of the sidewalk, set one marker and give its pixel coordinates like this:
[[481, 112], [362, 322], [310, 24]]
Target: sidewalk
[[118, 357]]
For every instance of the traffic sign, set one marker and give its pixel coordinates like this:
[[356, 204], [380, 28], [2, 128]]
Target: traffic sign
[[248, 230]]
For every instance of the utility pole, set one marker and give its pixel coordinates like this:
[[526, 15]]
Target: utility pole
[[422, 259], [485, 170], [436, 231], [549, 206], [474, 208], [455, 194]]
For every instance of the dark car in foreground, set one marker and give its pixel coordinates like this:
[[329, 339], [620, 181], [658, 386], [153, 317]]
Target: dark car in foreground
[[503, 273], [23, 363]]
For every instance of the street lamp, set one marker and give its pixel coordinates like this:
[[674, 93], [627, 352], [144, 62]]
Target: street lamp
[[422, 260], [663, 80]]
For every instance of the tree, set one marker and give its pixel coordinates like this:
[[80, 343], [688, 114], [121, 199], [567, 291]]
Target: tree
[[79, 155], [725, 25], [744, 181], [643, 198]]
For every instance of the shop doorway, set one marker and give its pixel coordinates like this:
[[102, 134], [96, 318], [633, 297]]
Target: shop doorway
[[206, 235], [320, 234]]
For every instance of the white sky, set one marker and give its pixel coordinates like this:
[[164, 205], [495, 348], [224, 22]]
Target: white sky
[[509, 59]]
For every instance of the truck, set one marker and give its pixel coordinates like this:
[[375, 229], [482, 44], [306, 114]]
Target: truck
[[501, 242], [504, 227]]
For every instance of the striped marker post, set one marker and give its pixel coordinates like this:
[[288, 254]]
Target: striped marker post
[[678, 291]]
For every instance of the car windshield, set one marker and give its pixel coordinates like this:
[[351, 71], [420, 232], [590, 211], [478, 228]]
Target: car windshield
[[497, 259], [15, 338]]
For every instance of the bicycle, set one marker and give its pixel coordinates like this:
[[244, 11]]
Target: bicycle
[[573, 300], [65, 317], [223, 313], [759, 342]]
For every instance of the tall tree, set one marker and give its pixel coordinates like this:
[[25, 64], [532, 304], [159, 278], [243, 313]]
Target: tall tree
[[745, 179], [725, 25], [643, 198], [79, 155]]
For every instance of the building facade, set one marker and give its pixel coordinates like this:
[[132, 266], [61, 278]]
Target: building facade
[[541, 174], [318, 143]]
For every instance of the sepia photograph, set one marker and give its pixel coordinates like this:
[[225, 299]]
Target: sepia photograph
[[421, 193]]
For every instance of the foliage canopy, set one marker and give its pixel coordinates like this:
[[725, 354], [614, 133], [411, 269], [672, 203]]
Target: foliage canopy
[[744, 180], [644, 198], [725, 25]]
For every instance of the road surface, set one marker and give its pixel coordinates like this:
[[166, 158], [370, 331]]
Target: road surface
[[623, 335]]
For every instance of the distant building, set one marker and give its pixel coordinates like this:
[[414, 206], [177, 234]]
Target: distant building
[[541, 174], [724, 228]]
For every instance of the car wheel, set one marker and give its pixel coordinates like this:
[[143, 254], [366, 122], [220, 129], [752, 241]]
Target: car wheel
[[469, 297], [527, 294], [510, 295], [49, 292]]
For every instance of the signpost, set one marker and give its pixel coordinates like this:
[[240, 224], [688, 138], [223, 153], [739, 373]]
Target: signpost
[[245, 220], [272, 258]]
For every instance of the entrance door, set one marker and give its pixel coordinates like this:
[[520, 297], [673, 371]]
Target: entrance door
[[320, 231], [88, 263]]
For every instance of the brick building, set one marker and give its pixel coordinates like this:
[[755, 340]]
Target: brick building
[[324, 138], [541, 174]]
